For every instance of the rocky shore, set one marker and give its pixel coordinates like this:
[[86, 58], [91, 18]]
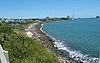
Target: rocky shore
[[48, 42]]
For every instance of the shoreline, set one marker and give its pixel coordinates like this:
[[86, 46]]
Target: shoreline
[[48, 42], [57, 48], [76, 56]]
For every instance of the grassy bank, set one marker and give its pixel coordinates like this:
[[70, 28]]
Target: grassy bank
[[21, 48]]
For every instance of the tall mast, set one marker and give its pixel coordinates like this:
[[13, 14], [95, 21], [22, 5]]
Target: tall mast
[[73, 15]]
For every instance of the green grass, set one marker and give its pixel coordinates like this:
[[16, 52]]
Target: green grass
[[23, 49]]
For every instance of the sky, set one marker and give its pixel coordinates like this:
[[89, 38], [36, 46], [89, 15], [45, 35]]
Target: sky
[[50, 8]]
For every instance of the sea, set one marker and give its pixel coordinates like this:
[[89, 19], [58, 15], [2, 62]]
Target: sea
[[78, 39]]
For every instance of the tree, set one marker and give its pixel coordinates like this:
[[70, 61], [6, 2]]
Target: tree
[[97, 17], [68, 17]]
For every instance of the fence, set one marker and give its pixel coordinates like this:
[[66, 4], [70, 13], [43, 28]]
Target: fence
[[3, 56]]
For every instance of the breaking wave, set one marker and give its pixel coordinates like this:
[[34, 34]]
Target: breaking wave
[[76, 55]]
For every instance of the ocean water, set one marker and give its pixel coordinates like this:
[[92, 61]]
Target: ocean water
[[80, 38]]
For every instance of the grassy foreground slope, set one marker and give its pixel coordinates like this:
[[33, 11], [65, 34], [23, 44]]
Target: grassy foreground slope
[[23, 49]]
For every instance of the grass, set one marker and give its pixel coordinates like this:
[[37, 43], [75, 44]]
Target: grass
[[23, 49]]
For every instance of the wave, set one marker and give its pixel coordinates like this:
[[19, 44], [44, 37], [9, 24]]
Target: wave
[[76, 55]]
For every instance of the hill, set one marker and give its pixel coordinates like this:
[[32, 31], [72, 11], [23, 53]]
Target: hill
[[21, 48]]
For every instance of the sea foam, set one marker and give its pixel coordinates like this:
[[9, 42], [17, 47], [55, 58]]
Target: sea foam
[[76, 55]]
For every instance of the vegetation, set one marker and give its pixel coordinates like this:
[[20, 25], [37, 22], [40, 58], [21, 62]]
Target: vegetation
[[23, 49], [97, 17]]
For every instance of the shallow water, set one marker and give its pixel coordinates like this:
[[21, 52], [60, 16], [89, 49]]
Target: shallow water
[[81, 35]]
